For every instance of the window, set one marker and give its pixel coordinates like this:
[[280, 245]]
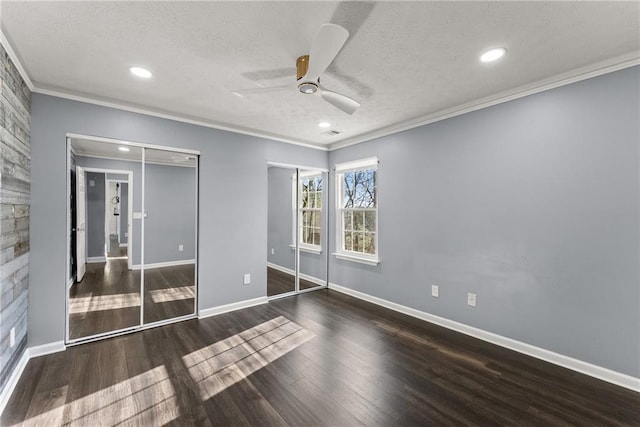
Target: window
[[310, 210], [357, 211]]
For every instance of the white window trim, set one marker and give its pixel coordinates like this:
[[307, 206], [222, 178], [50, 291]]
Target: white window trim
[[368, 163], [297, 210]]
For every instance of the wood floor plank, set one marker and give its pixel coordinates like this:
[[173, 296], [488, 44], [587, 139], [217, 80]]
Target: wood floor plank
[[320, 358]]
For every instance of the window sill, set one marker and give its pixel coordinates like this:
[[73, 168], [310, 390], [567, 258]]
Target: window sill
[[310, 250], [355, 258]]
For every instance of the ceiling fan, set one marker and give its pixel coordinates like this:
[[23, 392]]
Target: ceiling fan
[[325, 48]]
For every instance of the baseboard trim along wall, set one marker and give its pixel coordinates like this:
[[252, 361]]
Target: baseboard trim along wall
[[94, 259], [164, 264], [608, 375], [303, 276], [213, 311], [28, 354]]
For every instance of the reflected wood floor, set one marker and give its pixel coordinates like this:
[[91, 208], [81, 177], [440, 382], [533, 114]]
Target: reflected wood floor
[[108, 298], [321, 358], [279, 282]]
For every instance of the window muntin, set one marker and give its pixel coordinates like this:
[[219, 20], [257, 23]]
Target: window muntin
[[357, 214]]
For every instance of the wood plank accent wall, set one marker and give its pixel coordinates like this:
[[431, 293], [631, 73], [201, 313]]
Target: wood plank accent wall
[[15, 190]]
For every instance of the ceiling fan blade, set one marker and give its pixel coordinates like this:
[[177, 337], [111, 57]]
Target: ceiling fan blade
[[325, 48], [260, 90], [339, 101]]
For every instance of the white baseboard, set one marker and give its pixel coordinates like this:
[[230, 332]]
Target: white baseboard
[[44, 349], [28, 354], [124, 245], [608, 375], [303, 276], [213, 311], [164, 264], [13, 380], [94, 259]]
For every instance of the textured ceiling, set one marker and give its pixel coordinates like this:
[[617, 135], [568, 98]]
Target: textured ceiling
[[403, 60]]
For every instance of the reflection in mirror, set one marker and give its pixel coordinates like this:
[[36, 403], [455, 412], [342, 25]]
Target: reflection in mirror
[[104, 289], [169, 272], [312, 237], [281, 254]]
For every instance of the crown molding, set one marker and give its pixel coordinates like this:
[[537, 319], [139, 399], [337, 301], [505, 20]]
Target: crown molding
[[132, 108], [16, 61], [574, 76]]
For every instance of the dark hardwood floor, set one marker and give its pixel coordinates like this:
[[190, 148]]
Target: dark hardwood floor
[[108, 298], [279, 282], [321, 358]]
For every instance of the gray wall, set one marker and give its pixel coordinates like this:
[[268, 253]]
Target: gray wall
[[95, 213], [15, 189], [280, 233], [233, 227], [170, 203], [532, 205]]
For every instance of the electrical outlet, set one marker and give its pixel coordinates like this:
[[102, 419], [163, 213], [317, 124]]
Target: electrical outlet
[[471, 299], [435, 291], [273, 251], [12, 337], [247, 279], [181, 248]]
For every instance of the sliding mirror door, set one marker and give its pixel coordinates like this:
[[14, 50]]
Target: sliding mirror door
[[104, 192], [312, 235], [170, 206], [281, 222]]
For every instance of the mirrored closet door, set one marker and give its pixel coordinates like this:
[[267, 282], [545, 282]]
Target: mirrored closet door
[[132, 248], [297, 224]]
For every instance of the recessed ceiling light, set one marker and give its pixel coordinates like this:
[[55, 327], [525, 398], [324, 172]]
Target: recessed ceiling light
[[493, 54], [123, 148], [324, 124], [140, 72]]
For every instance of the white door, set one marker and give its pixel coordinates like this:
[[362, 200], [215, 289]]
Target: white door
[[81, 222]]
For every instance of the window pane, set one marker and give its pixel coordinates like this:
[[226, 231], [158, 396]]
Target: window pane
[[318, 199], [316, 219], [316, 236], [348, 189], [304, 235], [370, 243], [358, 188], [347, 220], [311, 197], [347, 241], [306, 221], [358, 220], [319, 183], [370, 221], [358, 242]]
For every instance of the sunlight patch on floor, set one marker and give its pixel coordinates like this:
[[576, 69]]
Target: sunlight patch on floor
[[173, 294], [103, 302], [146, 399], [226, 362]]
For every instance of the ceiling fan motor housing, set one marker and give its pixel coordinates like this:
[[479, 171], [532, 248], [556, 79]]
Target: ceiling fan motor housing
[[302, 65]]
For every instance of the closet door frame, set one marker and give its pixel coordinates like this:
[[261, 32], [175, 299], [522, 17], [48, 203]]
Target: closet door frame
[[141, 326]]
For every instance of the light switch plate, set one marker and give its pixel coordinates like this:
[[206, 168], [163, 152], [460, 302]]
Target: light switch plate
[[247, 279], [12, 337], [181, 248], [435, 291]]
